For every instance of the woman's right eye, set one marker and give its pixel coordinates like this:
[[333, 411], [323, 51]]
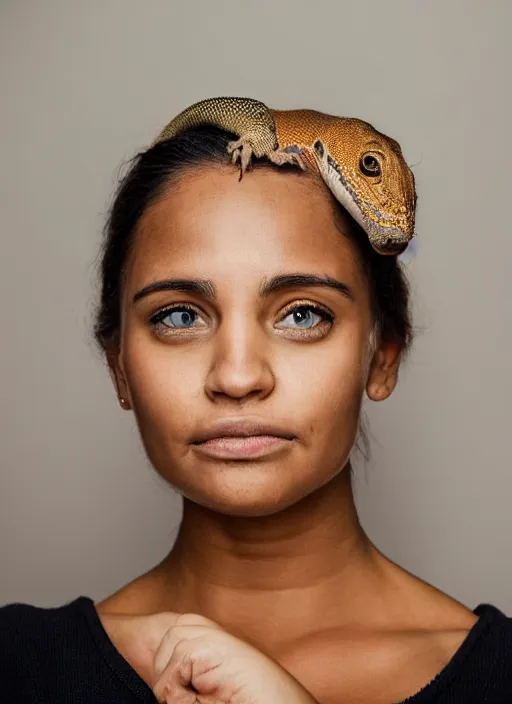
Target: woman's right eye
[[178, 317]]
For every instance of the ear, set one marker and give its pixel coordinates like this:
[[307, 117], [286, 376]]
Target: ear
[[116, 369], [383, 374]]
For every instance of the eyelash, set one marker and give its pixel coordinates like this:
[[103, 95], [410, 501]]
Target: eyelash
[[157, 318], [326, 315]]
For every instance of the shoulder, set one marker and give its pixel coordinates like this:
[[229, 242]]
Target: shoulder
[[493, 627], [19, 620], [63, 654], [491, 637], [30, 639], [24, 627], [481, 667]]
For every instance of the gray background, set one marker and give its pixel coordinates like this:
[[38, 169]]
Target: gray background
[[83, 85]]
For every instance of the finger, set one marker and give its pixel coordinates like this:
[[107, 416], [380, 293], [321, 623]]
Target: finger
[[149, 631], [168, 685], [170, 640], [192, 675], [194, 629]]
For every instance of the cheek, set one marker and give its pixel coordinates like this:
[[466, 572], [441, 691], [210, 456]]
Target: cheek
[[166, 385], [326, 389]]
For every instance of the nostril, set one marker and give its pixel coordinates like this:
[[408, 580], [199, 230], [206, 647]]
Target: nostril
[[319, 147]]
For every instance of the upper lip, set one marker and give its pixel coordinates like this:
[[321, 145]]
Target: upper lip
[[240, 428]]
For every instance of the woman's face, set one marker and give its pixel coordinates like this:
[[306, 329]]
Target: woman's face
[[257, 324]]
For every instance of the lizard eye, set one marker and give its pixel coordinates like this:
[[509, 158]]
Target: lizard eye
[[370, 165], [319, 147]]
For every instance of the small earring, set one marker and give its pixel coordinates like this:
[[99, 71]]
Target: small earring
[[122, 401]]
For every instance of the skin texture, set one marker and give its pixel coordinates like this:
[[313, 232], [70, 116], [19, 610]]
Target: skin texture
[[179, 384], [271, 549]]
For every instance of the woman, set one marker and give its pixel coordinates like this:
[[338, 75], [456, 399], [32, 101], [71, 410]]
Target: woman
[[243, 322]]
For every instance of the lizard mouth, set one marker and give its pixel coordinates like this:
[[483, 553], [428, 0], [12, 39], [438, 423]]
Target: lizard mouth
[[333, 165], [384, 237]]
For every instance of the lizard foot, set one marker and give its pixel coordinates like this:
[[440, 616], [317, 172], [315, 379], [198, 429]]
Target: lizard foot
[[278, 156], [241, 152]]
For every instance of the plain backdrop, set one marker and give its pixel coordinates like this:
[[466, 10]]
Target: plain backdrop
[[83, 86]]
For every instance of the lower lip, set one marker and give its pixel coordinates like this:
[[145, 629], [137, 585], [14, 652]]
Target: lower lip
[[233, 448]]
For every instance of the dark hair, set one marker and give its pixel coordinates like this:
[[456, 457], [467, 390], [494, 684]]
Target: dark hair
[[153, 170]]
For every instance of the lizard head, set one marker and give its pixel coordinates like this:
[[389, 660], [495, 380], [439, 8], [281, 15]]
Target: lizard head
[[367, 174]]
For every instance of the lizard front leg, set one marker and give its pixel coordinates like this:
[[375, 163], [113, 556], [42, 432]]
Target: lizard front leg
[[280, 156], [242, 151]]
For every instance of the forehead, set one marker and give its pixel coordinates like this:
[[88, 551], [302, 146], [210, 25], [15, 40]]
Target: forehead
[[209, 224]]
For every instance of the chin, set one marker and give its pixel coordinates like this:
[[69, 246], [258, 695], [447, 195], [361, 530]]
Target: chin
[[245, 502], [249, 510]]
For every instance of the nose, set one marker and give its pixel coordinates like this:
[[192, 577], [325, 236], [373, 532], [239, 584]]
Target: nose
[[240, 366]]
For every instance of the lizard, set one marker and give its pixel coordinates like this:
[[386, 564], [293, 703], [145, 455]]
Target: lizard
[[363, 168]]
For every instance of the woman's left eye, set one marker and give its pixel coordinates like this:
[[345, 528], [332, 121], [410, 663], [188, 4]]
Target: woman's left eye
[[305, 317]]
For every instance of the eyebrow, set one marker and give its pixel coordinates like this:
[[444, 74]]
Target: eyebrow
[[203, 287], [277, 283], [206, 288]]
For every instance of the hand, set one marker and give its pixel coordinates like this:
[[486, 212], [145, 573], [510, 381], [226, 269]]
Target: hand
[[197, 662], [188, 659]]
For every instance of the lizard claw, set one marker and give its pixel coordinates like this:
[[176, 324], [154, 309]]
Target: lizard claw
[[241, 151], [278, 156], [245, 158]]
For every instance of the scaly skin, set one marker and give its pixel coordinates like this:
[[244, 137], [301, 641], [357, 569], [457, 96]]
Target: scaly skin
[[363, 168]]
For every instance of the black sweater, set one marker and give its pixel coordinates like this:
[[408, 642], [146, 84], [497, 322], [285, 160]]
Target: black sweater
[[63, 655]]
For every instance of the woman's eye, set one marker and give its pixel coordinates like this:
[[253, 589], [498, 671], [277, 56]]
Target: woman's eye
[[180, 317], [305, 317]]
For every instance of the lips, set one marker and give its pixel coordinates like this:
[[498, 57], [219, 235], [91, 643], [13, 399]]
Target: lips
[[237, 428], [240, 439]]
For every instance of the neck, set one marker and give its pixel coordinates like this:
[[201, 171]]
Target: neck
[[299, 568]]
